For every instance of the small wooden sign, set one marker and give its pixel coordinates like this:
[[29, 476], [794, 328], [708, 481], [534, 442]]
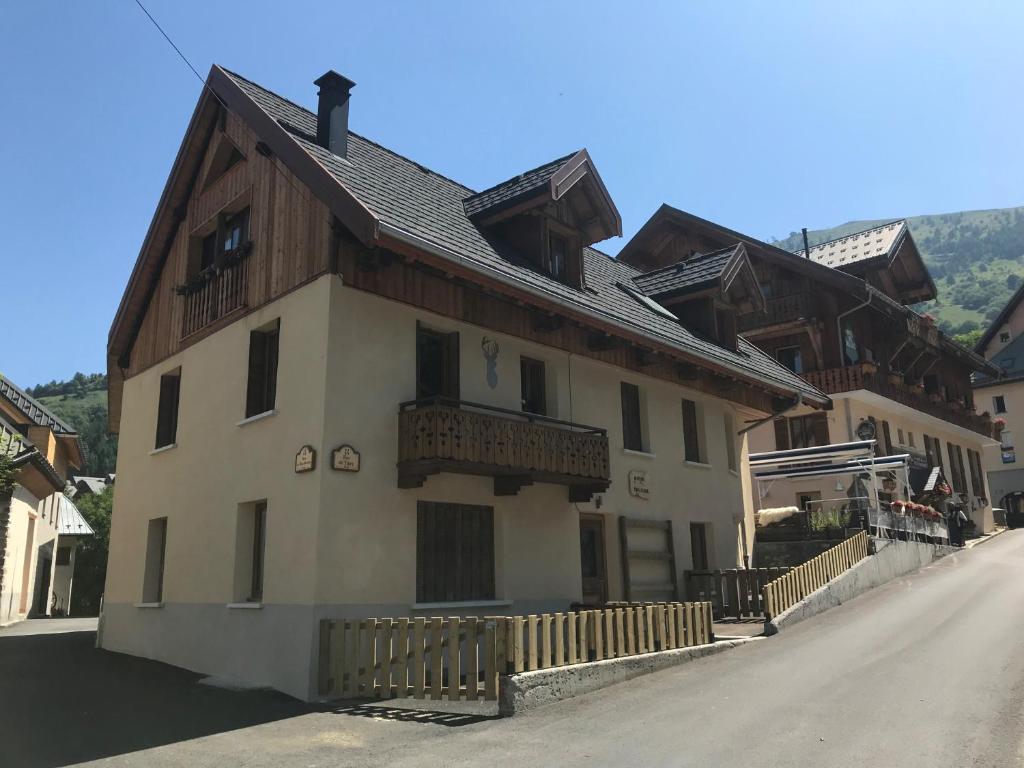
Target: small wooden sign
[[305, 459], [638, 484], [345, 458]]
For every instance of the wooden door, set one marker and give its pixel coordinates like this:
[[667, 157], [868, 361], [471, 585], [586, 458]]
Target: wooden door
[[592, 559]]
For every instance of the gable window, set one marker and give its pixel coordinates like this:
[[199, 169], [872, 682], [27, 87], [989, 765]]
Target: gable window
[[454, 552], [167, 409], [999, 403], [437, 364], [558, 254], [791, 357], [156, 547], [531, 377], [231, 234], [693, 443], [261, 392], [632, 431]]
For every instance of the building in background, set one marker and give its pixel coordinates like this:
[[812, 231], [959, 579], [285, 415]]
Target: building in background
[[839, 317], [347, 386], [39, 527], [1003, 344]]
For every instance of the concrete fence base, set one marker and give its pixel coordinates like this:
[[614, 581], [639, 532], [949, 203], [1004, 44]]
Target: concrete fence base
[[891, 560], [527, 690]]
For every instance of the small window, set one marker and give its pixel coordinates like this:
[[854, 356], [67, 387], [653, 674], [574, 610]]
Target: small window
[[437, 364], [558, 254], [910, 439], [693, 443], [454, 552], [808, 431], [730, 441], [1004, 336], [806, 499], [531, 376], [790, 357], [63, 555], [232, 233], [899, 436], [999, 404], [235, 231], [156, 547], [632, 432], [261, 392], [167, 409], [699, 546]]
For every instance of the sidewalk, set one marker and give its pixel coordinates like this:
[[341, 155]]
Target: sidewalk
[[48, 627], [971, 543]]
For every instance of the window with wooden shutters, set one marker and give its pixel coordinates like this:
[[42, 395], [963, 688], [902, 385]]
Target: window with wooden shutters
[[262, 388], [974, 464], [454, 552], [887, 438], [692, 442], [937, 449], [632, 432], [167, 409], [782, 434], [808, 431], [437, 364], [929, 454], [531, 381], [956, 468]]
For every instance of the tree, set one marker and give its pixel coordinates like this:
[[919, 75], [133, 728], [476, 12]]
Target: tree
[[91, 554]]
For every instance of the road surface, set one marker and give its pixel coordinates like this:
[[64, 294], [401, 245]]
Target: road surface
[[925, 671]]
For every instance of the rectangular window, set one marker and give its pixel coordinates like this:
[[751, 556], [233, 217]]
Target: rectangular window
[[156, 548], [956, 468], [805, 500], [974, 465], [790, 357], [261, 393], [63, 555], [232, 232], [808, 431], [886, 439], [730, 441], [692, 442], [259, 538], [437, 364], [454, 552], [558, 253], [167, 409], [531, 378], [910, 439], [999, 404], [899, 437], [699, 546], [632, 432]]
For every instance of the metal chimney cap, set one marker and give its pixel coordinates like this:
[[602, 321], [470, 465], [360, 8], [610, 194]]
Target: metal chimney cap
[[332, 81]]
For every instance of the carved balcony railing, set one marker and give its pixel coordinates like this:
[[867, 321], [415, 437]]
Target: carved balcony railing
[[516, 449], [832, 381], [784, 309], [222, 293]]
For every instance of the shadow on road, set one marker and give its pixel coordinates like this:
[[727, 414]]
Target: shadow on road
[[63, 701], [379, 712]]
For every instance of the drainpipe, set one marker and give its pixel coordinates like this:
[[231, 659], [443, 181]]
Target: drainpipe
[[770, 417], [842, 315]]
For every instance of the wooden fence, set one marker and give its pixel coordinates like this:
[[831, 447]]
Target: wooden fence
[[786, 591], [734, 592], [456, 658]]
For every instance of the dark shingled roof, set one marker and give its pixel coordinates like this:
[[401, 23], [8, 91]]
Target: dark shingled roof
[[1011, 359], [516, 188], [1001, 319], [429, 206], [693, 274], [33, 409]]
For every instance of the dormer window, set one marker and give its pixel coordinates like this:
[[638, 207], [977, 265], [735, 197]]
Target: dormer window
[[558, 252]]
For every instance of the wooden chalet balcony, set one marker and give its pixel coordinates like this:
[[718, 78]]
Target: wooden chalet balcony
[[516, 449], [223, 293], [784, 309], [832, 381]]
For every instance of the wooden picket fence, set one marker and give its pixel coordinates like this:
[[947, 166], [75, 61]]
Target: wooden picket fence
[[785, 591], [454, 658], [733, 592]]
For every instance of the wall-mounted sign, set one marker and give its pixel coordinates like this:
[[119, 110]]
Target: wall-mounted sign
[[305, 459], [638, 484], [1009, 456], [866, 430], [345, 458]]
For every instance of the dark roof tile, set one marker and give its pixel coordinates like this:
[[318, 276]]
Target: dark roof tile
[[35, 411]]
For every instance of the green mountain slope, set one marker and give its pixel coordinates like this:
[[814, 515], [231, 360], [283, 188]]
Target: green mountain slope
[[976, 259], [82, 402]]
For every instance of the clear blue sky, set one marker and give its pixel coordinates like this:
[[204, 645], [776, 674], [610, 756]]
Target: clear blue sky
[[763, 116]]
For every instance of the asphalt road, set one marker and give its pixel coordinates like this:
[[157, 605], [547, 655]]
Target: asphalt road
[[927, 670]]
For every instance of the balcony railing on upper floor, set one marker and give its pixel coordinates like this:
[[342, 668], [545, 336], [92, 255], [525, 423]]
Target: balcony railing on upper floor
[[516, 449], [832, 381], [783, 309], [222, 293]]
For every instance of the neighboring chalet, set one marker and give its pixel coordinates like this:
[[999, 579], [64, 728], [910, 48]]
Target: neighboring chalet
[[838, 315], [347, 386], [1003, 344], [39, 526]]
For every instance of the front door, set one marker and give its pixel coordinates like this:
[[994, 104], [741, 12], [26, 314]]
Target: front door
[[592, 560]]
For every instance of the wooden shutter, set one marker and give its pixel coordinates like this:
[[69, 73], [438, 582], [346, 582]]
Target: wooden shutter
[[928, 453], [691, 441], [261, 391], [454, 552], [819, 427], [937, 447], [974, 465], [632, 437], [782, 434], [887, 437], [167, 410]]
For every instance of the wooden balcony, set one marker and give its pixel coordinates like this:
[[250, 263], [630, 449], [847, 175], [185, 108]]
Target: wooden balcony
[[222, 293], [778, 311], [516, 449], [849, 378]]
